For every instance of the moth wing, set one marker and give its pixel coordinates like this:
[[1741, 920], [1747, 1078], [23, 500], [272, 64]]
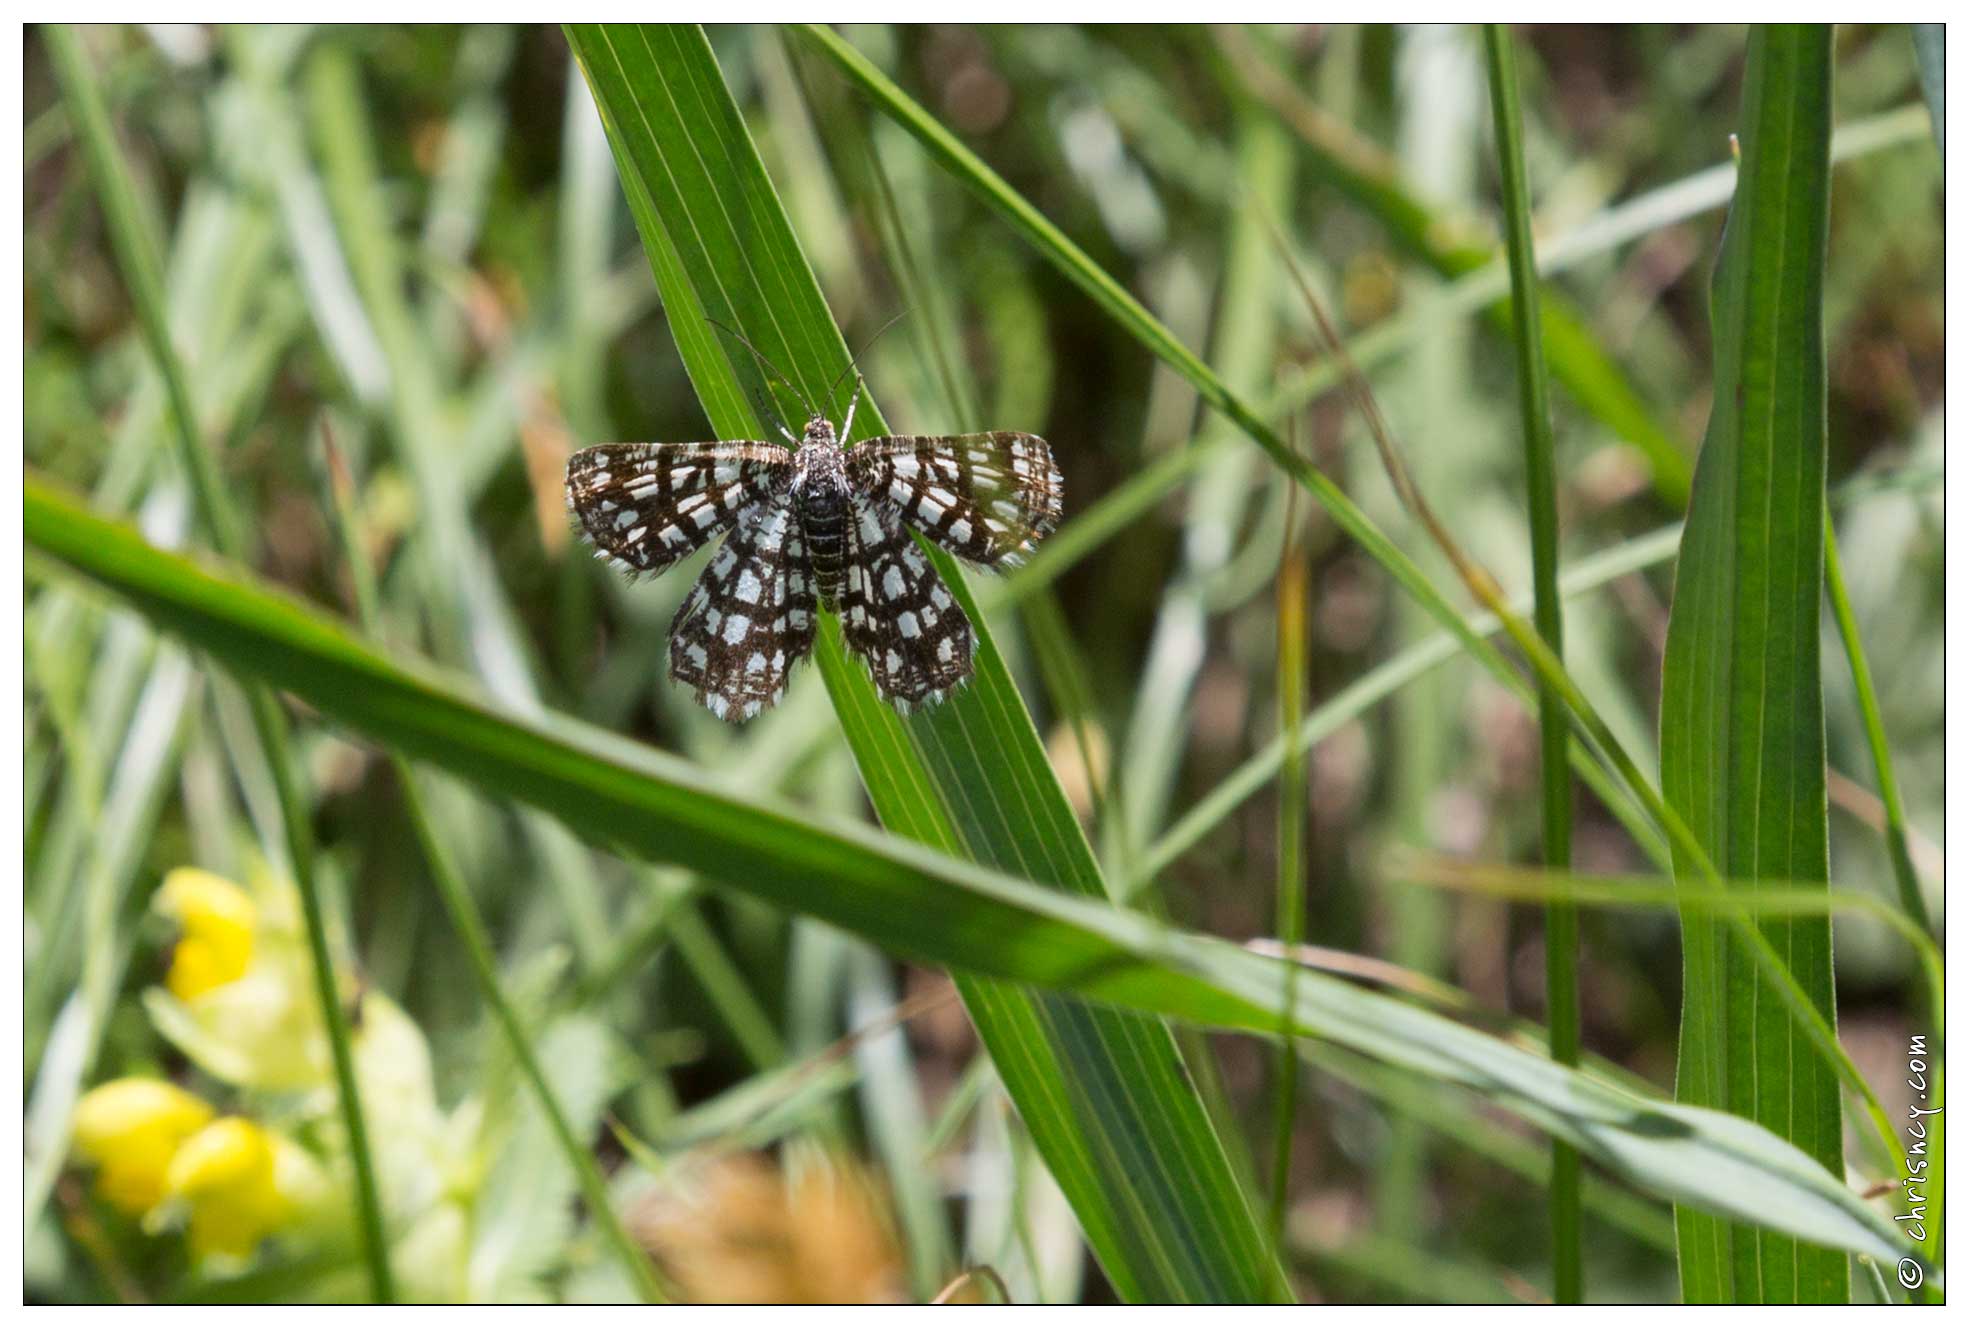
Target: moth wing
[[987, 498], [896, 613], [644, 506], [749, 619]]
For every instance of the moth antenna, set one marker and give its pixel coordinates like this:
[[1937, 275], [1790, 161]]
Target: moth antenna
[[768, 365], [855, 359], [848, 424]]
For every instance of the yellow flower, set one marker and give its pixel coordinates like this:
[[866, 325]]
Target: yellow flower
[[130, 1129], [225, 1176], [238, 998], [217, 920]]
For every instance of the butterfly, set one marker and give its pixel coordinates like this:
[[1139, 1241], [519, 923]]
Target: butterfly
[[813, 527]]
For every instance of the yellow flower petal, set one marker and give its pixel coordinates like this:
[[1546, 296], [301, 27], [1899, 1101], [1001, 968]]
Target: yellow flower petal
[[225, 1176], [217, 920], [130, 1129]]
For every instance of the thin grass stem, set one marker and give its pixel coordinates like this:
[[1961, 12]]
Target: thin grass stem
[[470, 926], [1541, 492], [1895, 831]]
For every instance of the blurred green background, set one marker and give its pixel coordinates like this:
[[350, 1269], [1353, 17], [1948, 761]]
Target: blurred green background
[[442, 267]]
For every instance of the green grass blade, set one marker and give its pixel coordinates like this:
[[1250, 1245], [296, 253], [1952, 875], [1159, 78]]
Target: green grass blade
[[137, 257], [1766, 898], [1047, 238], [1381, 682], [1103, 1094], [146, 765], [1244, 347], [1810, 1021], [1294, 592], [1743, 732], [1601, 233], [1366, 177], [928, 906], [1542, 500], [1895, 831], [1073, 263], [1928, 54], [473, 935], [1452, 1115]]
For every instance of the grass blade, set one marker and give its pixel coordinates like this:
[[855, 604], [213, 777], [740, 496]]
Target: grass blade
[[928, 906], [1929, 57], [1766, 898], [1123, 1131], [137, 256], [1047, 238], [473, 935], [1294, 591], [1605, 231], [1360, 172], [1380, 683], [1056, 248], [1542, 500], [1895, 831], [1743, 734]]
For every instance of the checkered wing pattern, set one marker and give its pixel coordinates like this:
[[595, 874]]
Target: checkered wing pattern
[[750, 618], [987, 498], [896, 613], [644, 506]]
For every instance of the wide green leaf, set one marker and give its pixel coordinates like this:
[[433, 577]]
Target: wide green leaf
[[1743, 726], [928, 906], [1105, 1095]]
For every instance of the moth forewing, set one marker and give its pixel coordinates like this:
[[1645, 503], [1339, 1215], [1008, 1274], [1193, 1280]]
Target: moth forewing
[[645, 506], [987, 498]]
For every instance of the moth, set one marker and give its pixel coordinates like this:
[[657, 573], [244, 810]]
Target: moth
[[817, 527]]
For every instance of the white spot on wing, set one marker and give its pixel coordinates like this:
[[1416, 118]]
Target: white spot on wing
[[871, 528]]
